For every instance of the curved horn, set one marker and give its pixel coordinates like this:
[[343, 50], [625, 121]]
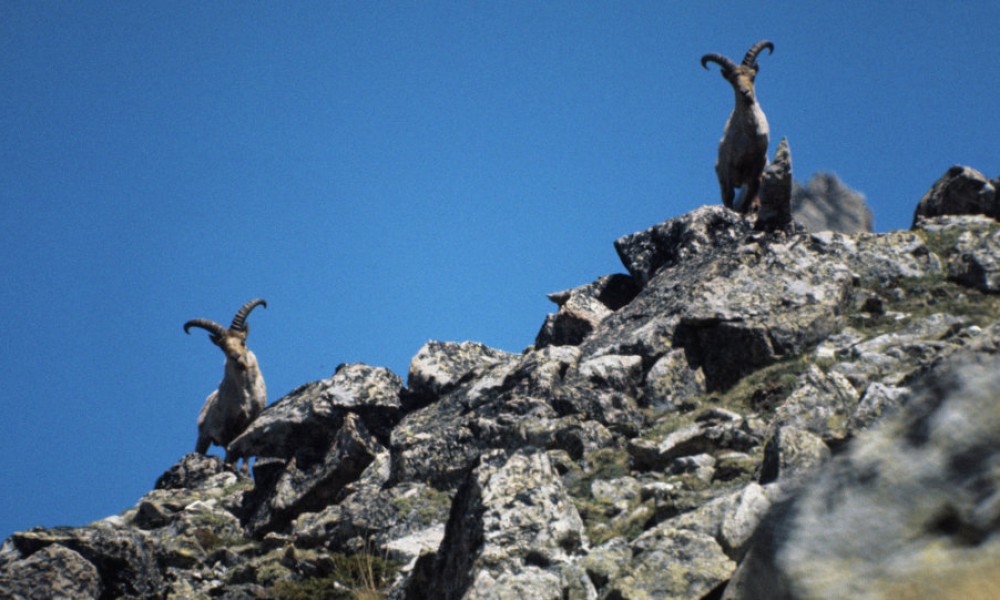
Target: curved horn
[[239, 321], [726, 64], [754, 50], [210, 326]]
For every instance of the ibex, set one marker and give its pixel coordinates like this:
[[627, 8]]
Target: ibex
[[743, 149], [241, 395]]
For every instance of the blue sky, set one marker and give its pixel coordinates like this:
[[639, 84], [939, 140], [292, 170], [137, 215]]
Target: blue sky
[[387, 173]]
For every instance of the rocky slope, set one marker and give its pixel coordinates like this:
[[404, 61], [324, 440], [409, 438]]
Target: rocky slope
[[744, 414]]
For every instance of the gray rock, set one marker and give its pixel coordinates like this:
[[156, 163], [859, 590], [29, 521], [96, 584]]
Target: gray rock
[[912, 506], [607, 561], [52, 572], [677, 240], [582, 308], [192, 472], [792, 453], [303, 423], [671, 381], [826, 204], [299, 488], [439, 366], [775, 210], [511, 530], [124, 559], [822, 403], [673, 563], [960, 191], [878, 401], [878, 259], [977, 262], [891, 358], [730, 519], [706, 437]]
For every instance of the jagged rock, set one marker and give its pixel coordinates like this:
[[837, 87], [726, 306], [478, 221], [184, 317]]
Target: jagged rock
[[52, 572], [511, 532], [673, 563], [878, 259], [300, 488], [671, 380], [570, 434], [440, 442], [125, 560], [303, 423], [524, 400], [912, 506], [582, 308], [977, 263], [385, 516], [791, 453], [730, 519], [822, 403], [775, 210], [676, 240], [192, 472], [878, 401], [607, 561], [438, 366], [693, 440], [733, 307], [960, 191], [826, 204], [891, 358]]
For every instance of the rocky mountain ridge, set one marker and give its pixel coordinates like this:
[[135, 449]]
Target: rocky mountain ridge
[[743, 414]]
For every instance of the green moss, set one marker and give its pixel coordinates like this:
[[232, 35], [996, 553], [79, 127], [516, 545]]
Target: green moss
[[360, 576], [917, 298]]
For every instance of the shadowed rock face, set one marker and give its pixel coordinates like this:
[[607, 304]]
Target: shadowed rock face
[[744, 414]]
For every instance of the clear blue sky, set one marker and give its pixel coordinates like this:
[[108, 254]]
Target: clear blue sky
[[387, 173]]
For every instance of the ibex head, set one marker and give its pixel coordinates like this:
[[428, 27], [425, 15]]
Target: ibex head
[[232, 341], [740, 76]]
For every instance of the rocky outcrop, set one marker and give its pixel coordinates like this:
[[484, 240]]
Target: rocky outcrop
[[775, 210], [960, 191], [582, 309], [744, 414]]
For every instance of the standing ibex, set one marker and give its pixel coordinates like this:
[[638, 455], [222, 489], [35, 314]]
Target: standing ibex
[[241, 395], [743, 149]]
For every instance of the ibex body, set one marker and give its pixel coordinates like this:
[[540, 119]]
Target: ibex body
[[743, 149], [241, 395]]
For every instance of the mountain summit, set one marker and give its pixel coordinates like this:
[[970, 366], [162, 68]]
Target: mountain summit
[[746, 413]]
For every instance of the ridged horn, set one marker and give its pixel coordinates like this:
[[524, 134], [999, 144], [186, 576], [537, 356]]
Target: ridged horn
[[724, 62], [239, 321], [754, 50], [210, 326]]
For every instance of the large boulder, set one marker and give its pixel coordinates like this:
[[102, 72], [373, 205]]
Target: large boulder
[[53, 572], [439, 366], [284, 491], [513, 532], [303, 423], [912, 509], [582, 308], [977, 261], [960, 191], [677, 240], [125, 559]]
